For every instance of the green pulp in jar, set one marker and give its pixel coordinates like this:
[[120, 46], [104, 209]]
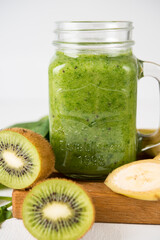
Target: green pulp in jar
[[92, 112]]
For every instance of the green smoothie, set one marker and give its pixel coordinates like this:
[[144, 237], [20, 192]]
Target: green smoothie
[[92, 112]]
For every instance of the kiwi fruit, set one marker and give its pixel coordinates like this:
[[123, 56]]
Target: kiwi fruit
[[25, 158], [58, 209]]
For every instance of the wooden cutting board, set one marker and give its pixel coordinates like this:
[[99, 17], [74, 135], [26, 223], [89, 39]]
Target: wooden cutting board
[[110, 207]]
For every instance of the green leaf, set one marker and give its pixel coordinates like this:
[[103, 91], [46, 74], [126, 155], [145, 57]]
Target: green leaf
[[6, 198], [4, 212], [2, 186], [41, 127]]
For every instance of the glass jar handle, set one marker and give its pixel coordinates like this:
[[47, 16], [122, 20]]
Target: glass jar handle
[[150, 143]]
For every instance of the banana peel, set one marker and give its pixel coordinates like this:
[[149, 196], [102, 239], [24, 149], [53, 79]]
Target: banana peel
[[139, 179]]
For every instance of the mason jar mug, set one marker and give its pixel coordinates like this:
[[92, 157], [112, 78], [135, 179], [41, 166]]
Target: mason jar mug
[[93, 96]]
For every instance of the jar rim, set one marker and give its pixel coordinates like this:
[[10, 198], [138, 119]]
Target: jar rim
[[101, 25], [93, 32]]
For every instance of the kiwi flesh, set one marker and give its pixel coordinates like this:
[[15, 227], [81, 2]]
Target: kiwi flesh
[[25, 158], [58, 209]]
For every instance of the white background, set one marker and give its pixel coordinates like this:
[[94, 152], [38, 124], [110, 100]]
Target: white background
[[26, 34]]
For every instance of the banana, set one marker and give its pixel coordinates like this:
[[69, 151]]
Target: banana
[[139, 179]]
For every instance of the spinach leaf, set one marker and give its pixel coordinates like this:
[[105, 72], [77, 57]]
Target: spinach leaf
[[4, 212], [5, 198], [2, 186], [41, 127]]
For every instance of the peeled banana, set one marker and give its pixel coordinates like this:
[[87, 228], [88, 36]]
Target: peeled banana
[[139, 179]]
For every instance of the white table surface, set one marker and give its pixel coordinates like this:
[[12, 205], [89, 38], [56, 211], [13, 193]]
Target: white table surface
[[13, 111]]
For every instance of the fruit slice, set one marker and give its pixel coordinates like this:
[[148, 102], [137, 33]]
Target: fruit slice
[[140, 179], [25, 158], [58, 209]]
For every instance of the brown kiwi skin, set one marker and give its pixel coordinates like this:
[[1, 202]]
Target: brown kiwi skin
[[93, 220], [44, 149]]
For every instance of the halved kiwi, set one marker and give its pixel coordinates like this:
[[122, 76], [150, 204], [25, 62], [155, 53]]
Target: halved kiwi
[[25, 158], [58, 209]]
